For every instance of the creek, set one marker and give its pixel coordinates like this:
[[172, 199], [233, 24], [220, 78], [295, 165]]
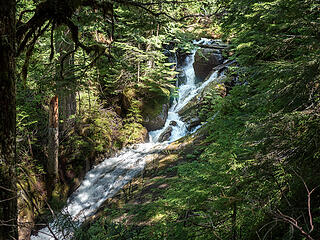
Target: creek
[[107, 178]]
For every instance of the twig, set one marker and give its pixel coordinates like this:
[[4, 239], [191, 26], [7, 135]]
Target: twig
[[7, 189], [309, 201], [8, 199], [293, 222]]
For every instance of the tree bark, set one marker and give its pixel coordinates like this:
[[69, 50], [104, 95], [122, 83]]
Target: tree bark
[[65, 86], [53, 146], [8, 195], [234, 221]]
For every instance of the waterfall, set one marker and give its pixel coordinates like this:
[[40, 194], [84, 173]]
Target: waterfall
[[107, 178]]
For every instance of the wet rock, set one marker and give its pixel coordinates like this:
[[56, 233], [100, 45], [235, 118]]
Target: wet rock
[[127, 95], [212, 43], [173, 123], [204, 61], [181, 77], [190, 112], [181, 57], [193, 122], [221, 68], [171, 56], [216, 46], [145, 135], [166, 134]]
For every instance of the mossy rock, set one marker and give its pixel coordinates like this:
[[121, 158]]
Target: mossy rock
[[133, 133], [155, 116], [153, 109]]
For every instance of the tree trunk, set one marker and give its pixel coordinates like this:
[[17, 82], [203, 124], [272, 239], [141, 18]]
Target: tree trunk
[[65, 83], [234, 221], [53, 145], [8, 191], [68, 107]]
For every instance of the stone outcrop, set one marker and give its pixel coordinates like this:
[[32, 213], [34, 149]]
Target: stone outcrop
[[166, 134], [205, 60], [154, 114], [207, 57], [190, 112], [193, 122]]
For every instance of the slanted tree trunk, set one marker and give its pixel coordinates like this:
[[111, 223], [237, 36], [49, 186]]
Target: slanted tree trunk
[[53, 145], [8, 191]]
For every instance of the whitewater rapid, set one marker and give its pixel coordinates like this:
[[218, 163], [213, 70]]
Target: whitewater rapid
[[107, 178]]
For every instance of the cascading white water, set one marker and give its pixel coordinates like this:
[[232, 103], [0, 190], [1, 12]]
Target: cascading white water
[[99, 184], [107, 178], [186, 92]]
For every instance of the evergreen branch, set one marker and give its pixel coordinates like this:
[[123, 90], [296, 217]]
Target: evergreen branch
[[24, 70], [157, 14], [22, 13], [162, 2]]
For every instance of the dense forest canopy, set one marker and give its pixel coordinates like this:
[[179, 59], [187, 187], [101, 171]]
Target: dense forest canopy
[[82, 79]]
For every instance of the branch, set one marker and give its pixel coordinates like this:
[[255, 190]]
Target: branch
[[309, 200], [64, 58], [24, 70], [25, 30], [293, 223], [157, 14], [32, 31], [8, 199], [75, 37], [7, 189], [22, 13]]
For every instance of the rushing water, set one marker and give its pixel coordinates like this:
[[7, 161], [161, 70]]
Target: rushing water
[[107, 178]]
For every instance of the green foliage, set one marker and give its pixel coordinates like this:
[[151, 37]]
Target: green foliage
[[262, 144], [106, 230], [278, 112]]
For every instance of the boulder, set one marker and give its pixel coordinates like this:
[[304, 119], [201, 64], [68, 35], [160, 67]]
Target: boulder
[[205, 60], [190, 110], [155, 120], [193, 122], [165, 135], [173, 123], [220, 68], [127, 95], [154, 113], [171, 56], [144, 135]]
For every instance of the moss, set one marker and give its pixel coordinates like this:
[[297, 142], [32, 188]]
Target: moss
[[132, 133], [152, 109], [59, 196]]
